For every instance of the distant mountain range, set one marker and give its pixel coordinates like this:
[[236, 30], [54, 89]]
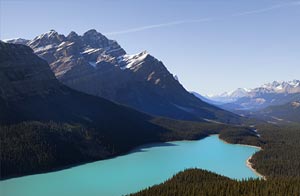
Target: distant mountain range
[[228, 97], [276, 102], [93, 64], [275, 93]]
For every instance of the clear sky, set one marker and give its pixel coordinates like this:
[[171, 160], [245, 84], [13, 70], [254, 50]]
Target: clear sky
[[212, 45]]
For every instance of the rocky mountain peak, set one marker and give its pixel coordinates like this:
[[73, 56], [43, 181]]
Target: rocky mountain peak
[[73, 36], [91, 32], [95, 39], [50, 34], [93, 64], [240, 92], [272, 93], [49, 38], [280, 87]]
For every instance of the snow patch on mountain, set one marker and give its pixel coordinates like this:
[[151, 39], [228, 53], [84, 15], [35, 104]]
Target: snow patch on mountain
[[132, 61], [90, 50], [44, 48], [48, 34]]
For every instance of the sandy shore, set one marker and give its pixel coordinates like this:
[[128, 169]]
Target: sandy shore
[[249, 164]]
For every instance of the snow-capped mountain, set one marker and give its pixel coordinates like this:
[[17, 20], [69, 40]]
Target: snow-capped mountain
[[17, 41], [93, 64], [274, 93], [228, 97], [288, 87]]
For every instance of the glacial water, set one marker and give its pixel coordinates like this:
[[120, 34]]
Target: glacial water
[[143, 167]]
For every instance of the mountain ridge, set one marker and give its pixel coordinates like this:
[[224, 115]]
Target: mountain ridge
[[93, 64], [292, 86], [269, 94]]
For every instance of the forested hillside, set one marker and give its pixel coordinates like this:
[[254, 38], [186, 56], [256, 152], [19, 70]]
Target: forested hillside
[[194, 182], [280, 156]]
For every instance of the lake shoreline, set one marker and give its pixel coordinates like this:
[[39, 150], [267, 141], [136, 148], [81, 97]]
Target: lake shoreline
[[248, 161], [250, 165], [147, 145], [147, 165], [112, 156]]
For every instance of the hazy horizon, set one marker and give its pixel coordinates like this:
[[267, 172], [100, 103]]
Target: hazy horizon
[[212, 46]]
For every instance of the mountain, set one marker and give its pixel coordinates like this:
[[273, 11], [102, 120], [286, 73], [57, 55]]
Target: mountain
[[228, 97], [46, 125], [203, 98], [275, 93], [17, 41], [289, 112], [93, 64]]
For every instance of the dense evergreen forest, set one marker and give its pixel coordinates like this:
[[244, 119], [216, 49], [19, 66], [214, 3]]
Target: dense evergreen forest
[[279, 161], [198, 182], [280, 156], [33, 147]]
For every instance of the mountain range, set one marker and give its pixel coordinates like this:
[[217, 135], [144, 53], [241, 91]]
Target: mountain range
[[270, 94], [93, 64], [276, 102]]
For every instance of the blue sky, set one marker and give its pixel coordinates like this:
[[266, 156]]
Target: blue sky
[[212, 45]]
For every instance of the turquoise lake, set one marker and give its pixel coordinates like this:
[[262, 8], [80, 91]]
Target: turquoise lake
[[143, 167]]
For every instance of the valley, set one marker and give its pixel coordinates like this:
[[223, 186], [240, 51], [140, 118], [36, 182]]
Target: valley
[[57, 132], [42, 120]]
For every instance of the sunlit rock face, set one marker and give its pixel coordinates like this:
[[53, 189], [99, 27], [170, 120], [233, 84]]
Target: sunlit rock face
[[96, 65]]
